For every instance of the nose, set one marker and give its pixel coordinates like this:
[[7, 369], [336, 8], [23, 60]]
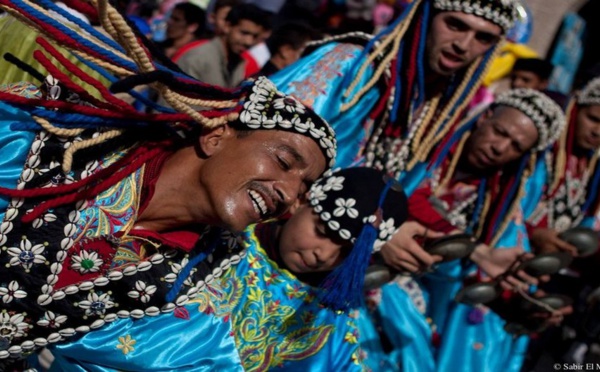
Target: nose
[[462, 42], [289, 189], [500, 146]]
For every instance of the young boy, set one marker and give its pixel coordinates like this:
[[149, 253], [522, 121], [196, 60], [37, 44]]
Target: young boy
[[277, 320]]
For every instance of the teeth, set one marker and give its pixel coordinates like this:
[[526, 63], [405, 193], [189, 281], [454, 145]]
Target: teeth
[[260, 206]]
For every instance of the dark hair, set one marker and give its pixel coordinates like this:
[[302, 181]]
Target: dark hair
[[540, 67], [251, 13], [193, 14], [294, 34], [223, 3]]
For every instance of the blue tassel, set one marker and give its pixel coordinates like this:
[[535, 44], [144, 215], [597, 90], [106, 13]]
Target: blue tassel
[[343, 288]]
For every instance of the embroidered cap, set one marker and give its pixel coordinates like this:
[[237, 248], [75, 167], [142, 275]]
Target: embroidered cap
[[590, 94], [267, 108], [500, 12], [363, 206], [546, 114]]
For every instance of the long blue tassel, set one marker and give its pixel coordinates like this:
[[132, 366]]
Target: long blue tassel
[[343, 287]]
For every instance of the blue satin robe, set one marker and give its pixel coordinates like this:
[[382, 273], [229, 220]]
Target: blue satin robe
[[256, 317], [464, 345], [317, 81], [14, 147]]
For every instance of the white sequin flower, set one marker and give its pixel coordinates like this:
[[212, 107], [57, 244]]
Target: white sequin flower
[[27, 254], [345, 206], [334, 183], [289, 104], [11, 292], [87, 262], [96, 305], [142, 291], [386, 229], [176, 269], [317, 194], [12, 326], [52, 320]]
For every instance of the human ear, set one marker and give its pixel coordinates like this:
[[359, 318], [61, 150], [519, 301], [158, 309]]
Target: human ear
[[213, 140], [192, 28], [483, 117]]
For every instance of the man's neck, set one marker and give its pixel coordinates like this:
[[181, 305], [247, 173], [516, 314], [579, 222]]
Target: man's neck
[[169, 207]]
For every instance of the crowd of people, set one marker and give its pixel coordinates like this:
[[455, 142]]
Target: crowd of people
[[290, 185]]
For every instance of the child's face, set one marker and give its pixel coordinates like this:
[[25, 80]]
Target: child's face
[[304, 247]]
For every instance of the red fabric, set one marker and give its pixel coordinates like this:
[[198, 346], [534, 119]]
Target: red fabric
[[100, 246], [421, 210], [252, 66], [184, 240], [186, 48]]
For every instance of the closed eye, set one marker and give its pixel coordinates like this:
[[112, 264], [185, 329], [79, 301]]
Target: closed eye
[[283, 163]]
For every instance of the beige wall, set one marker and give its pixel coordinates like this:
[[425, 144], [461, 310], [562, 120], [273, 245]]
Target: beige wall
[[547, 15]]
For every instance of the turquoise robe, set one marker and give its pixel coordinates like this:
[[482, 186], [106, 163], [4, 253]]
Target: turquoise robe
[[316, 80], [255, 317]]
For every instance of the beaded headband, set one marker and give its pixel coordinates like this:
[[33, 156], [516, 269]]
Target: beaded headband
[[500, 12], [268, 108], [590, 94], [345, 200], [547, 116]]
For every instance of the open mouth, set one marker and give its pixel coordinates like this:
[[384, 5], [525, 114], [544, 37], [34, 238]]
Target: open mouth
[[259, 204]]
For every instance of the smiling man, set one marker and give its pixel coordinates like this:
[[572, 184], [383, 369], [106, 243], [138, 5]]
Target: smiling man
[[138, 225]]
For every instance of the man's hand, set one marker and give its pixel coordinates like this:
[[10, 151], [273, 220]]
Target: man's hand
[[547, 240], [403, 253], [495, 262]]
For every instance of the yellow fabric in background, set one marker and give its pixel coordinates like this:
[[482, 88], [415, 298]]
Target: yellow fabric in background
[[19, 39], [503, 64]]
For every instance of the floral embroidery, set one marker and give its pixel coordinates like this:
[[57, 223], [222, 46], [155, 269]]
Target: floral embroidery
[[176, 267], [27, 254], [52, 320], [126, 344], [143, 292], [11, 292], [334, 183], [351, 337], [12, 326], [86, 262], [345, 206], [386, 229], [274, 316], [328, 68], [96, 305]]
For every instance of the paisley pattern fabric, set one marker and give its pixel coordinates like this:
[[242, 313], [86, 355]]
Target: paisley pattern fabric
[[279, 325], [265, 312]]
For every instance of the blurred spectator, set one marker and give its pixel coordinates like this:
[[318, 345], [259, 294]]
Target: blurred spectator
[[530, 73], [218, 14], [219, 61], [185, 26], [140, 13], [286, 45]]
